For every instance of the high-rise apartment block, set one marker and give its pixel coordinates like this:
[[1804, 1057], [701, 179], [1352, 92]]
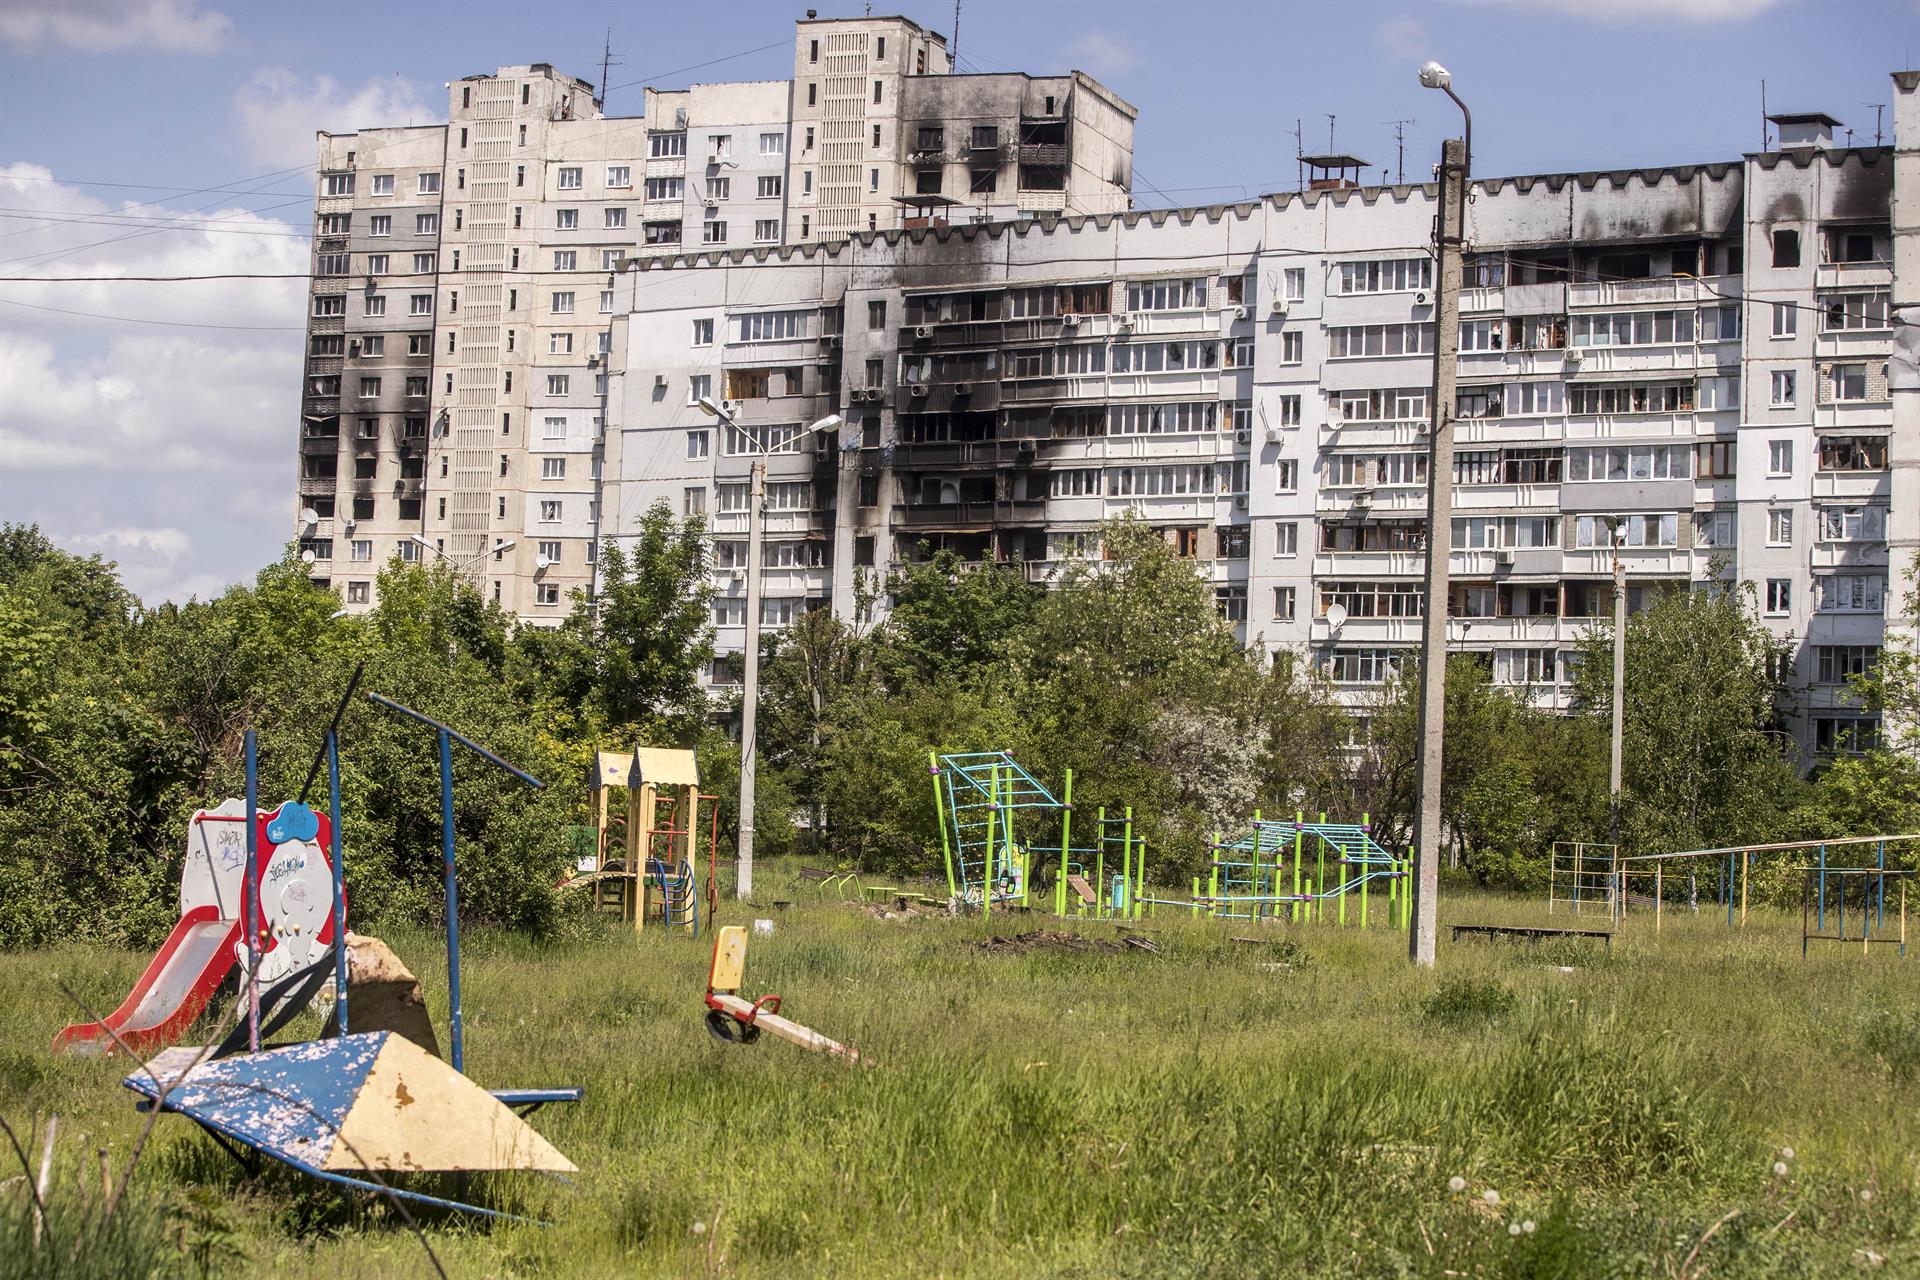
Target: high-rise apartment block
[[463, 273], [1705, 362]]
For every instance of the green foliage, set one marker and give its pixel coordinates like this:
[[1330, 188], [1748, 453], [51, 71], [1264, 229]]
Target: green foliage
[[1702, 762], [1468, 1002]]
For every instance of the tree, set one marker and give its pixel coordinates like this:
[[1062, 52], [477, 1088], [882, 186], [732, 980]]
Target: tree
[[950, 618], [636, 651], [1703, 762]]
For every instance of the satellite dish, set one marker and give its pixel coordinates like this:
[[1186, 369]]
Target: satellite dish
[[309, 518], [1336, 616], [541, 562], [307, 557]]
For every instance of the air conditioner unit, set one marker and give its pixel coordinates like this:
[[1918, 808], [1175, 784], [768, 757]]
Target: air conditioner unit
[[1069, 321], [1239, 502], [1028, 444], [923, 331], [1273, 435], [1363, 498], [593, 362], [918, 389], [963, 388], [1278, 307], [1243, 435], [1503, 557], [1420, 299], [1124, 322], [831, 339], [1575, 355], [738, 575], [1239, 313], [660, 380]]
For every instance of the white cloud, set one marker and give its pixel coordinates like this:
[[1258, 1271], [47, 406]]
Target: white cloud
[[1702, 12], [106, 26], [167, 447], [1406, 38], [1102, 55], [278, 111]]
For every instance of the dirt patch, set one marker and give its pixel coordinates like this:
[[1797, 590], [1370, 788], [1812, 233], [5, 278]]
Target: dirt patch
[[896, 909], [1061, 940]]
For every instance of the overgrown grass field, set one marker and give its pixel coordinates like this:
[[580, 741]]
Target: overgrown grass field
[[1307, 1105]]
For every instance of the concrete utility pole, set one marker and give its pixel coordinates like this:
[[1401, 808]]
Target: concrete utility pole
[[1619, 687], [1450, 230], [750, 690], [723, 414]]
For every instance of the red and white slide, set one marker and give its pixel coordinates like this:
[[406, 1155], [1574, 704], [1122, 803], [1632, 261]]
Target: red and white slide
[[294, 911]]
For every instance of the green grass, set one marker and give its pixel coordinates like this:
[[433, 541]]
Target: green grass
[[1215, 1109]]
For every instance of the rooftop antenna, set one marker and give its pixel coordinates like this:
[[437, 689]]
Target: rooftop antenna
[[1763, 115], [954, 52], [1329, 133], [1400, 147], [1878, 109], [607, 61], [1299, 163]]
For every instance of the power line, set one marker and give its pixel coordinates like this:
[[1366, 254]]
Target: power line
[[224, 275], [171, 324], [662, 75], [208, 226], [137, 186]]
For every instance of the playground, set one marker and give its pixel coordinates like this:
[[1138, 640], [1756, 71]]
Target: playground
[[1201, 1109]]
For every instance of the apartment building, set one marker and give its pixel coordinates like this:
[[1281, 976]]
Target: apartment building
[[462, 302], [1695, 357]]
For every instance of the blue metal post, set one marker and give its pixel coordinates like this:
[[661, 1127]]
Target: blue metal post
[[453, 898], [339, 884], [1880, 891], [249, 894], [1820, 900]]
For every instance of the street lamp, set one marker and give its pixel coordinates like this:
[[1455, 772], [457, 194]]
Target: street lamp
[[462, 565], [1449, 233], [750, 676]]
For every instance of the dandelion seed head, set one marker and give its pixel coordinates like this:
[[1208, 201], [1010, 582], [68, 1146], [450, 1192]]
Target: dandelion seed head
[[1786, 1153], [1527, 1226], [1490, 1196], [1513, 1228], [1456, 1183], [1779, 1168], [699, 1228], [1866, 1194]]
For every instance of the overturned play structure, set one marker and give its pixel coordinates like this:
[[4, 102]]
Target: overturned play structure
[[369, 1103]]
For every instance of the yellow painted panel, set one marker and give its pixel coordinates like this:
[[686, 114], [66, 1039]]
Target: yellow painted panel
[[611, 768], [417, 1113], [666, 766], [729, 957]]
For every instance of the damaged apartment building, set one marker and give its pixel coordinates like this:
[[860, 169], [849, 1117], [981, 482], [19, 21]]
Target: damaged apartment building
[[456, 389], [1701, 357]]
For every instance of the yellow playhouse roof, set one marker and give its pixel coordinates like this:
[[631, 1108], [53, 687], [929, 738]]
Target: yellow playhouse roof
[[666, 766]]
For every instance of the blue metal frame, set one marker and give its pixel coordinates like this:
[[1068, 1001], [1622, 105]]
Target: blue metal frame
[[447, 737], [339, 884], [992, 785], [249, 892]]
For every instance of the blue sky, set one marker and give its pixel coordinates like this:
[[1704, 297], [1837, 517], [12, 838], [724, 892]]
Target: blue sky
[[170, 448]]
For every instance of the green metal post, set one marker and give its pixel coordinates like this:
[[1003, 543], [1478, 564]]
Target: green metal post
[[1100, 866], [1320, 870], [986, 869], [1213, 879], [1140, 875], [1066, 842], [939, 812], [1196, 897], [1298, 818], [1126, 864]]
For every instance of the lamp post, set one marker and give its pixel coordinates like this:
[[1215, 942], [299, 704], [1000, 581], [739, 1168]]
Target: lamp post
[[461, 566], [750, 675], [1617, 536], [1449, 232]]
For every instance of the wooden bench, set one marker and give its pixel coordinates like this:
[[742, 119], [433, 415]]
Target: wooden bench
[[1528, 933], [1080, 886]]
